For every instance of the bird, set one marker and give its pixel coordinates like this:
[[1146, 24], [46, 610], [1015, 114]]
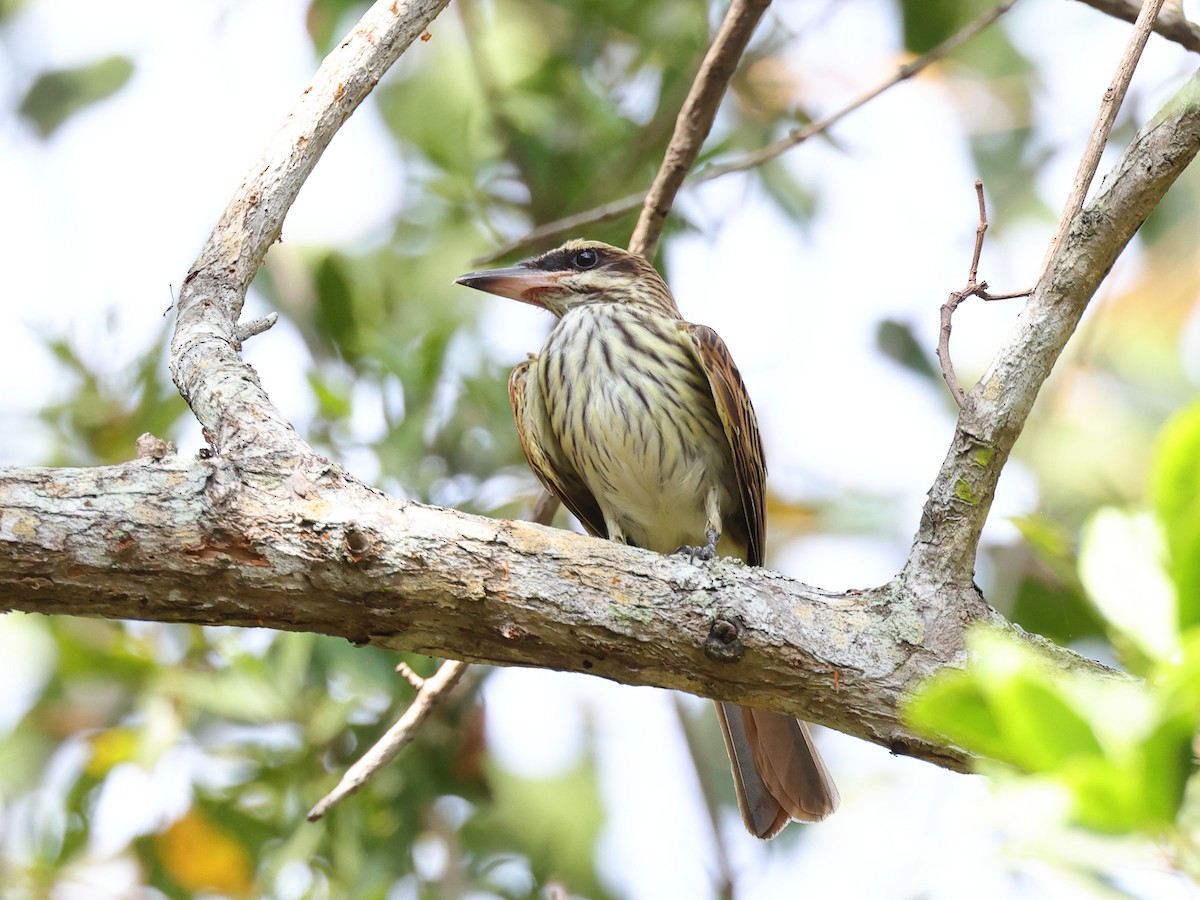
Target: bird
[[639, 422]]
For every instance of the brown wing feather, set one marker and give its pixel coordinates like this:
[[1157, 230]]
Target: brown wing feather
[[741, 429], [548, 462]]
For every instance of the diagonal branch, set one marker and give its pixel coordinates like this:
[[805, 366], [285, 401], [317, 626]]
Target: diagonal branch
[[1171, 22], [695, 120], [221, 389], [571, 224], [429, 695], [998, 406], [1110, 104]]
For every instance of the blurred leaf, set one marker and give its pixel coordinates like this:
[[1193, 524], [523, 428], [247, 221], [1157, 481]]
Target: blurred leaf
[[9, 8], [109, 408], [1058, 611], [929, 22], [200, 856], [1176, 495], [1008, 165], [1006, 706], [795, 200], [1123, 754], [1122, 568], [110, 747], [327, 20], [897, 342], [55, 96], [555, 822]]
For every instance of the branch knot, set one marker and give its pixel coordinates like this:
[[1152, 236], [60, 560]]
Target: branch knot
[[724, 642]]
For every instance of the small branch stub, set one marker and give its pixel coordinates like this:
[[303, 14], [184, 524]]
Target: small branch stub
[[249, 329], [724, 642], [151, 447]]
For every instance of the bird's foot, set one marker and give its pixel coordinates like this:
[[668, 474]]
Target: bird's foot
[[705, 553]]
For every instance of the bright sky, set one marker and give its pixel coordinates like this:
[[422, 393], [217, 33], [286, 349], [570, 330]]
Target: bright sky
[[99, 223]]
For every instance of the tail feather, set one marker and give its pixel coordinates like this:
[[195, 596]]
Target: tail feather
[[778, 774]]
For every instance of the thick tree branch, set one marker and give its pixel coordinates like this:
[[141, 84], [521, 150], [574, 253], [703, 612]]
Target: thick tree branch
[[303, 548], [267, 533], [998, 405], [223, 392]]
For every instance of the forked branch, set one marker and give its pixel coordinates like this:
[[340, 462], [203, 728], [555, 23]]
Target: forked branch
[[973, 288]]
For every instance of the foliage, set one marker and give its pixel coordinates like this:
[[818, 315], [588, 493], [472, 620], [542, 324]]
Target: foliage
[[191, 755], [1121, 750], [57, 95]]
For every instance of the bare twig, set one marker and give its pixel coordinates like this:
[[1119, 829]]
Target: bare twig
[[905, 72], [431, 693], [1110, 104], [544, 508], [695, 120], [727, 886], [410, 676], [973, 288], [614, 208]]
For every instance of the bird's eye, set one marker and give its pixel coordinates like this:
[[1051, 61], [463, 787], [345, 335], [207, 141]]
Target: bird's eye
[[586, 258]]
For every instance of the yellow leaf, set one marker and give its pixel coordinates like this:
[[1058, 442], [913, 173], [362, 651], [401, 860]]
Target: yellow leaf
[[201, 856]]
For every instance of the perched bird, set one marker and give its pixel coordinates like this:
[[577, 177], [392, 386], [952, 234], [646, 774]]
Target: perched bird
[[639, 422]]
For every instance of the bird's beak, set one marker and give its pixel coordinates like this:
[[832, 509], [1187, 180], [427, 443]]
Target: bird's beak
[[515, 282]]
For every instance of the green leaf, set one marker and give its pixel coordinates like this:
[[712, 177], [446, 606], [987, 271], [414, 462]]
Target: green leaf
[[897, 342], [1008, 705], [1122, 749], [1175, 488], [929, 22], [57, 95], [1121, 567]]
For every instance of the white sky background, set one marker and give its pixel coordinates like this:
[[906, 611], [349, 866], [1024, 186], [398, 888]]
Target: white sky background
[[98, 223]]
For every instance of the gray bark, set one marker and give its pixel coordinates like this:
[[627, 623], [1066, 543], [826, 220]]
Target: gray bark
[[266, 532]]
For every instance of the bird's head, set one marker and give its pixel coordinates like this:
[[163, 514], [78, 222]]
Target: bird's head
[[577, 272]]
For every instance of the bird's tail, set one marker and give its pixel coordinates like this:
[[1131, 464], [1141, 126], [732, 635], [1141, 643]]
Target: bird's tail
[[777, 772]]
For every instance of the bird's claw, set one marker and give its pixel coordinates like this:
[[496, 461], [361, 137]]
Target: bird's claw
[[705, 553]]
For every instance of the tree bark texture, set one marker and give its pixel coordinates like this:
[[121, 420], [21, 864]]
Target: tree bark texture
[[262, 531]]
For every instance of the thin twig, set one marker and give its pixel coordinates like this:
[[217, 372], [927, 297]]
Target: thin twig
[[1110, 105], [905, 72], [695, 120], [432, 691], [544, 508], [410, 676], [973, 288], [727, 889], [614, 208]]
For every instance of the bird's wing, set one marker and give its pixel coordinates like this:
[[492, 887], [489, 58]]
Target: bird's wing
[[545, 458], [741, 430]]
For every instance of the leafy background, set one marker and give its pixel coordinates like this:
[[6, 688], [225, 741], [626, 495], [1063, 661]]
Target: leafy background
[[184, 758]]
